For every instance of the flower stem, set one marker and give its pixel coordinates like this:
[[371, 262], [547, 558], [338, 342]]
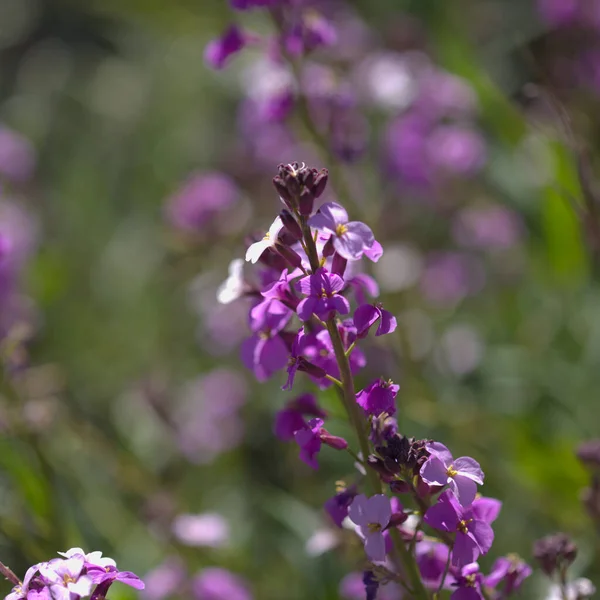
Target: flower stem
[[7, 572], [445, 574]]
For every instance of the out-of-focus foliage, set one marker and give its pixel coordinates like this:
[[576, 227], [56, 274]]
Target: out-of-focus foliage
[[125, 405]]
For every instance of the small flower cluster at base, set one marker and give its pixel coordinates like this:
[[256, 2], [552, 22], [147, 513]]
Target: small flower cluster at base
[[77, 575]]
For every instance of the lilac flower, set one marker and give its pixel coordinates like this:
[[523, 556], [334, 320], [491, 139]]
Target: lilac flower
[[92, 559], [372, 516], [266, 352], [367, 315], [337, 506], [350, 239], [312, 31], [431, 559], [105, 577], [255, 251], [378, 397], [214, 583], [17, 156], [559, 12], [165, 580], [462, 475], [324, 300], [375, 252], [22, 591], [456, 149], [282, 289], [204, 530], [291, 418], [200, 199], [63, 577], [474, 536], [468, 583], [363, 284], [218, 52], [511, 571], [248, 4], [487, 227], [352, 587]]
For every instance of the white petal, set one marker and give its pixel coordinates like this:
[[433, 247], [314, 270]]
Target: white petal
[[256, 250]]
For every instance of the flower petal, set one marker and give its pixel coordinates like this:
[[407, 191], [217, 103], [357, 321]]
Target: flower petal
[[486, 509], [375, 546], [434, 471], [465, 551], [356, 512], [483, 535], [469, 467], [378, 509], [465, 489], [441, 452]]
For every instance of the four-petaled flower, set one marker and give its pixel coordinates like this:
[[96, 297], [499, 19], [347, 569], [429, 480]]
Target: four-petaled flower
[[64, 578], [323, 298], [351, 239], [474, 535], [366, 315], [510, 570], [461, 475], [255, 251], [378, 397], [372, 515], [468, 583], [218, 52]]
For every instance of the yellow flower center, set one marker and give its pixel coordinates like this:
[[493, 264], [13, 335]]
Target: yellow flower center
[[471, 580], [374, 527], [68, 579], [451, 471], [340, 230], [462, 526], [267, 236]]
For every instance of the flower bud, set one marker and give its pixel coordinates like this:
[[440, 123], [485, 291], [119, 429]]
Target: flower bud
[[554, 553], [320, 182], [306, 202], [338, 265], [290, 224], [313, 370], [333, 441], [284, 193], [290, 255]]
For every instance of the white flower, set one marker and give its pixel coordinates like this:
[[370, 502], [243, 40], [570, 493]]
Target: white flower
[[233, 287], [256, 250], [94, 558], [580, 589]]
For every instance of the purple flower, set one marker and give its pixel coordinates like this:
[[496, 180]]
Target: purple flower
[[309, 440], [248, 4], [105, 577], [312, 31], [93, 559], [378, 397], [431, 558], [291, 418], [214, 583], [282, 289], [367, 315], [461, 475], [372, 515], [63, 577], [363, 284], [201, 197], [350, 239], [559, 12], [474, 536], [204, 530], [217, 52], [323, 298], [510, 570], [337, 506], [468, 583], [22, 591], [456, 149], [266, 352], [17, 156]]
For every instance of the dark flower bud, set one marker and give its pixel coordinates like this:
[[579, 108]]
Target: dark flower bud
[[328, 248], [306, 202], [554, 553], [290, 255], [400, 487], [590, 497], [589, 453], [371, 585], [284, 193], [333, 441], [290, 224], [338, 265], [397, 518], [379, 465], [310, 368], [320, 182]]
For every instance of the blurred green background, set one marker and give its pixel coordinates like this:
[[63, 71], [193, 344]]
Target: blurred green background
[[120, 108]]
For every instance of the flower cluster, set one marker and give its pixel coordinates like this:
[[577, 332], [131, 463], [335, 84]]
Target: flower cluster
[[302, 319], [77, 575]]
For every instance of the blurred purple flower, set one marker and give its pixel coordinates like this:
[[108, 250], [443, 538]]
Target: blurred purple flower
[[22, 591], [509, 570], [474, 536], [461, 475], [324, 300], [337, 506], [372, 515], [248, 4], [214, 583], [165, 580], [491, 226], [367, 315], [309, 440], [291, 418], [431, 559], [312, 30], [468, 583], [378, 397], [350, 238], [218, 51], [559, 12], [456, 149], [203, 530], [17, 156], [352, 587], [202, 196]]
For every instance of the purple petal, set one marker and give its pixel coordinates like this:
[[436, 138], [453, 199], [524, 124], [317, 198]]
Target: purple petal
[[364, 284], [357, 509], [486, 509], [444, 515], [334, 212], [465, 551], [483, 534], [465, 489], [466, 593], [287, 422], [364, 317], [131, 579], [434, 471], [218, 51], [335, 283], [388, 323], [375, 546], [375, 252], [378, 509], [340, 304], [362, 231], [349, 246], [469, 467], [322, 222], [441, 452], [306, 308], [274, 355]]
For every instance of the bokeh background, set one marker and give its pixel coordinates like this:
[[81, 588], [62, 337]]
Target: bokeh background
[[133, 173]]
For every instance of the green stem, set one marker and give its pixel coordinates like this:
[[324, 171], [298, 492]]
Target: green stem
[[445, 574]]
